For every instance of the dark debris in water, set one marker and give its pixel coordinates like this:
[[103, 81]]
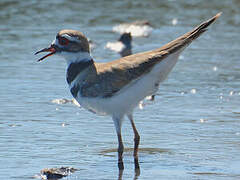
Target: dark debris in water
[[56, 173]]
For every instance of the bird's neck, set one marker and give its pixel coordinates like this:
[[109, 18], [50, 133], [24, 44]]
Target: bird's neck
[[76, 57], [127, 43], [77, 62]]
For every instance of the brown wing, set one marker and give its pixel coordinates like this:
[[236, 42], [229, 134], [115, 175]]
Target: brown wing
[[109, 78]]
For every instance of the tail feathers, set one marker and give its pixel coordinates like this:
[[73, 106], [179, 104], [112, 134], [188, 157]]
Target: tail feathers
[[187, 38], [201, 28]]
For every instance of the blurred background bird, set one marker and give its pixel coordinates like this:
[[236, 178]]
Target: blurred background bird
[[123, 46]]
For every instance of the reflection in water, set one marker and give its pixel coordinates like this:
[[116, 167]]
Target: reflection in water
[[137, 174], [149, 151], [120, 173]]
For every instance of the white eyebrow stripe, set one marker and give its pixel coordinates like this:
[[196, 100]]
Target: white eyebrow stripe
[[70, 38], [54, 41]]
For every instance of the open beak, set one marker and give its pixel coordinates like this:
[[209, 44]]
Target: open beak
[[50, 49]]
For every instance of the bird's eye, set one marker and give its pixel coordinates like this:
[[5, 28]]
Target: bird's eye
[[63, 41]]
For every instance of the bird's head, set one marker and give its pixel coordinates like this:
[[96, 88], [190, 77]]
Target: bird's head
[[126, 38], [68, 43]]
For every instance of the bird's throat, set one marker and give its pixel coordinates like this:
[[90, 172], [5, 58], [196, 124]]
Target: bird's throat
[[76, 57]]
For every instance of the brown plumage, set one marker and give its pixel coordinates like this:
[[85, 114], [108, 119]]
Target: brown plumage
[[106, 79]]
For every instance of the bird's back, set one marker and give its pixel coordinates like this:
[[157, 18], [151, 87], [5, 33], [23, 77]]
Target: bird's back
[[109, 78]]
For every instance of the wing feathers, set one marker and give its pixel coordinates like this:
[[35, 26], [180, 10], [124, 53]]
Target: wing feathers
[[110, 77]]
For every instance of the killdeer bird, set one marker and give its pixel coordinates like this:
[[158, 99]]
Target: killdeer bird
[[115, 88], [123, 46], [137, 28]]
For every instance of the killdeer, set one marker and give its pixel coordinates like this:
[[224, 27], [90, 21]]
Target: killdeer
[[115, 88], [123, 46], [137, 28]]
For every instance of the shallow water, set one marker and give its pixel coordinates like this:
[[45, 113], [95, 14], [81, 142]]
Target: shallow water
[[191, 131]]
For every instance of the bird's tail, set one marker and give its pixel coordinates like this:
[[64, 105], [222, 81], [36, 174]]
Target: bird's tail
[[195, 33], [187, 38]]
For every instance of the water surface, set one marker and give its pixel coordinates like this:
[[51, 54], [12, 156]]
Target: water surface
[[191, 131]]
